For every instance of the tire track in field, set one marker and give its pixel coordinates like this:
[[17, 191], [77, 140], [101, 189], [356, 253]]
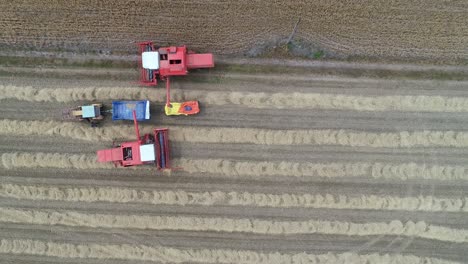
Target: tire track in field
[[410, 229], [295, 100], [177, 255], [183, 198], [402, 139], [231, 168]]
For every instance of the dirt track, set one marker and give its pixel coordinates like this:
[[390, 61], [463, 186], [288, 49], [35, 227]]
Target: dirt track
[[353, 172], [405, 29]]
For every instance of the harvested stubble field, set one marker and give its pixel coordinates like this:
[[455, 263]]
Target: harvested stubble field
[[412, 29], [307, 165], [302, 168]]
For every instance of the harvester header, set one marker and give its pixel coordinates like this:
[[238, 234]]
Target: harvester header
[[149, 149], [169, 61], [161, 63]]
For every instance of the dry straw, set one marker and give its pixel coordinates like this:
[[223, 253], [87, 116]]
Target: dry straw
[[231, 168], [183, 198], [177, 255], [233, 225], [402, 139], [419, 103]]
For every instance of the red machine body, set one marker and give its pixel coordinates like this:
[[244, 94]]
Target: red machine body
[[168, 61], [161, 63], [149, 149]]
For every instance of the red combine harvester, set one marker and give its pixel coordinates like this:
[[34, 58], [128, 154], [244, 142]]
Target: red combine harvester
[[149, 149], [170, 61]]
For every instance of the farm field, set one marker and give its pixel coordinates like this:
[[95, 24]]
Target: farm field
[[329, 132], [411, 29], [277, 168]]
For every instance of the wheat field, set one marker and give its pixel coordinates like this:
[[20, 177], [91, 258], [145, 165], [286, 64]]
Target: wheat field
[[411, 29]]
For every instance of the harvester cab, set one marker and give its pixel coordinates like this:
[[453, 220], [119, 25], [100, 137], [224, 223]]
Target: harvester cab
[[91, 113], [149, 149], [165, 62]]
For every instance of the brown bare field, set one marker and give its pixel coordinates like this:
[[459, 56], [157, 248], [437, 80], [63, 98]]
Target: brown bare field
[[276, 168], [413, 29]]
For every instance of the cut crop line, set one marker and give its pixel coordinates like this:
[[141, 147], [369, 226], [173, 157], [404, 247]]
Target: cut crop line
[[63, 129], [51, 160], [234, 225], [65, 95], [294, 100], [399, 171], [231, 168], [183, 198], [175, 255], [402, 139]]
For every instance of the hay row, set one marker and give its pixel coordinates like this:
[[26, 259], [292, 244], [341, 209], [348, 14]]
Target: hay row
[[176, 255], [231, 168], [391, 171], [402, 139], [234, 225], [51, 160], [183, 198], [420, 103]]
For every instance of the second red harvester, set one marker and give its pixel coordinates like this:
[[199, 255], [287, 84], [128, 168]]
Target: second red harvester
[[149, 149]]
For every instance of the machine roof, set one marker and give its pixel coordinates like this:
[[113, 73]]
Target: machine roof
[[88, 111], [147, 152], [150, 60]]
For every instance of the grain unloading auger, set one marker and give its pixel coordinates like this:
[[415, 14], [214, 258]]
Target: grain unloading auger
[[165, 62], [149, 149]]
